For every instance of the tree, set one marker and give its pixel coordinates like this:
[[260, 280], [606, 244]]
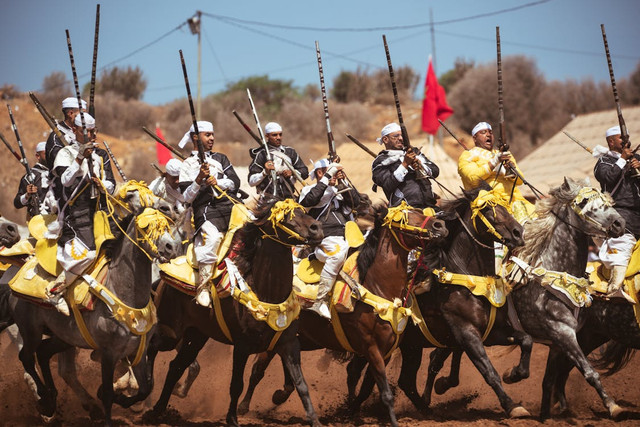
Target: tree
[[451, 77], [128, 83], [269, 94], [55, 88]]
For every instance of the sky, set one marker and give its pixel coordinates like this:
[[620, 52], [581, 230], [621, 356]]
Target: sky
[[276, 38]]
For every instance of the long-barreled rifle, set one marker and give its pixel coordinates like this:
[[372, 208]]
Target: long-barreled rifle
[[115, 161], [361, 145], [92, 108], [420, 172], [460, 143], [51, 121], [574, 139], [10, 148], [33, 199], [164, 144], [85, 136], [624, 134], [274, 178]]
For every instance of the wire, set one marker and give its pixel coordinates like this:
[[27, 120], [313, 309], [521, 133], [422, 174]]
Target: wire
[[213, 52], [370, 29]]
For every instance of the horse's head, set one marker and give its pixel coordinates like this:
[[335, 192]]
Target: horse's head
[[365, 213], [491, 217], [287, 222], [136, 197], [156, 235], [593, 208], [411, 227], [9, 234]]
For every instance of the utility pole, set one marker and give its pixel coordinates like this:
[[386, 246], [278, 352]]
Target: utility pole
[[435, 68], [194, 25]]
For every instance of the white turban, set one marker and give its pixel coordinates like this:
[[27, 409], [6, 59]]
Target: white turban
[[480, 126], [41, 146], [202, 127], [322, 163], [272, 127], [390, 128], [173, 167], [89, 121], [613, 131], [72, 102]]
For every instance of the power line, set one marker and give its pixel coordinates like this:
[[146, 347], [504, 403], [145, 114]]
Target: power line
[[215, 56], [370, 29]]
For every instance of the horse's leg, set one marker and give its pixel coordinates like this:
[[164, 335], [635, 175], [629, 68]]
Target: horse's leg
[[354, 372], [192, 343], [257, 373], [467, 337], [289, 352], [46, 402], [444, 384], [240, 356], [377, 367], [520, 372], [192, 373], [15, 336], [67, 371], [436, 361], [281, 396], [44, 353], [411, 360], [106, 389], [140, 372]]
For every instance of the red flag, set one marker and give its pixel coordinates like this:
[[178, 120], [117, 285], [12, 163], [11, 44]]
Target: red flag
[[164, 155], [434, 106]]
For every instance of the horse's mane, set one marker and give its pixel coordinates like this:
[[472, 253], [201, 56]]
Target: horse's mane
[[539, 232], [370, 246], [248, 239], [110, 245]]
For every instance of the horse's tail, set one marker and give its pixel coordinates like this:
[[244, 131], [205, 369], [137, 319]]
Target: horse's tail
[[6, 318], [612, 357]]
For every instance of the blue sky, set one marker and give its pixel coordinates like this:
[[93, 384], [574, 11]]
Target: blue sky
[[562, 35]]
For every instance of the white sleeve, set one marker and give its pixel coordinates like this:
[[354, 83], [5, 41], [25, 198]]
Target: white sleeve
[[257, 178], [191, 192], [400, 173], [225, 184], [70, 173]]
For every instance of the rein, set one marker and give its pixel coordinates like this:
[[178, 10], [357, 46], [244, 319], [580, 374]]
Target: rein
[[397, 218], [589, 196], [279, 213]]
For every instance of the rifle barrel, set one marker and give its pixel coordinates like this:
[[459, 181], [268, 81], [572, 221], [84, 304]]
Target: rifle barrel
[[571, 137], [51, 121], [92, 109], [325, 104], [193, 111], [115, 161], [163, 143], [361, 145], [274, 177], [453, 135], [16, 155], [247, 128]]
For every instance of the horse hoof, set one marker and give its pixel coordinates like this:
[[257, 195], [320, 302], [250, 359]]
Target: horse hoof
[[243, 408], [279, 397], [441, 386], [616, 411], [519, 412], [95, 411], [48, 420]]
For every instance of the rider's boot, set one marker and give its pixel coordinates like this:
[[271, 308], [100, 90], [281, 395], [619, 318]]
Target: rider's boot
[[321, 305], [203, 295], [55, 292], [616, 279]]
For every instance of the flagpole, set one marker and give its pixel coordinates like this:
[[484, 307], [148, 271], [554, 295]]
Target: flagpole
[[435, 68]]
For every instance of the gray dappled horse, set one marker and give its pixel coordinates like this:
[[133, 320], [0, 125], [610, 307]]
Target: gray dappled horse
[[129, 278], [9, 234], [558, 240]]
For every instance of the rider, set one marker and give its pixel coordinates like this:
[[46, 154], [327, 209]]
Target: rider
[[38, 188], [394, 169], [80, 189], [205, 187], [166, 185], [333, 209], [70, 110], [484, 163], [624, 187], [285, 161]]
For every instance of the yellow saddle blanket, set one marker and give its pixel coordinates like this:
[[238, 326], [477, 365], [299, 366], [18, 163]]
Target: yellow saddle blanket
[[32, 280], [599, 280], [494, 289]]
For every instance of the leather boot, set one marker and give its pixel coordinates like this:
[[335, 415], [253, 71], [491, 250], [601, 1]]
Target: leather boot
[[321, 305], [616, 279], [55, 293], [203, 295]]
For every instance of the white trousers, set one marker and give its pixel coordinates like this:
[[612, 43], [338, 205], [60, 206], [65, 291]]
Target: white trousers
[[617, 250], [75, 257], [333, 252], [206, 243]]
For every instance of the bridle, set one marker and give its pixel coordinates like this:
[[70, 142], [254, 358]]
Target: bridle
[[485, 199], [586, 199], [397, 218], [281, 211]]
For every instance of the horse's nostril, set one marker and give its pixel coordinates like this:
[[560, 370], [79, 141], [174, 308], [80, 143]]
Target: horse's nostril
[[516, 233], [437, 225]]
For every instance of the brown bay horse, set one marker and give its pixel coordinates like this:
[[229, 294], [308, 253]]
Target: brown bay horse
[[263, 258]]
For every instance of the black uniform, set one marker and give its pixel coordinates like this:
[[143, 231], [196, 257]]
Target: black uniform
[[284, 187], [331, 209], [41, 180], [416, 192]]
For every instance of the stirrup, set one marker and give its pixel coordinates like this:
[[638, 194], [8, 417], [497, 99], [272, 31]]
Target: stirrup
[[322, 309], [58, 301], [203, 296]]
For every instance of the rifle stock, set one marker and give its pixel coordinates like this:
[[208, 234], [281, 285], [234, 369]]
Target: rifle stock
[[274, 177], [16, 155], [361, 145], [33, 200]]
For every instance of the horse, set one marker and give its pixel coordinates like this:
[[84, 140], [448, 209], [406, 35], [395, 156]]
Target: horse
[[557, 241], [9, 234], [263, 258], [382, 269], [129, 281], [454, 319]]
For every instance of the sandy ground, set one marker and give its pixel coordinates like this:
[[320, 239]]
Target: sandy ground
[[472, 403]]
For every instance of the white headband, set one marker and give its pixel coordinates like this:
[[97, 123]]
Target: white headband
[[272, 127], [322, 163], [41, 146], [480, 126], [89, 121], [72, 102], [173, 166], [390, 128], [614, 131], [202, 127]]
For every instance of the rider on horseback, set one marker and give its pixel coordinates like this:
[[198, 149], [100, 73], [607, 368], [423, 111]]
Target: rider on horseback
[[79, 189], [333, 209], [205, 187], [624, 187]]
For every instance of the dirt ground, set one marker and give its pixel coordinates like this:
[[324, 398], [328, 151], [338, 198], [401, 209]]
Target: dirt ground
[[472, 403]]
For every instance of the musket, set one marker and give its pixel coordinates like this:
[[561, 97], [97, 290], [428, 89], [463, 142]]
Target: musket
[[92, 109], [115, 161], [361, 145], [85, 136], [332, 155], [624, 134], [274, 178], [453, 135], [405, 135], [51, 121], [16, 155], [163, 143], [157, 168], [33, 200], [589, 150]]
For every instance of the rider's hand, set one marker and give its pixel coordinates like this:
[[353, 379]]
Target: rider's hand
[[203, 174], [409, 159], [31, 189], [211, 181], [286, 173], [269, 166]]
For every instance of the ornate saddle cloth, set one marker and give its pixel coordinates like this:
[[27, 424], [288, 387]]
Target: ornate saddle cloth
[[599, 280], [494, 289], [16, 255], [31, 281]]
